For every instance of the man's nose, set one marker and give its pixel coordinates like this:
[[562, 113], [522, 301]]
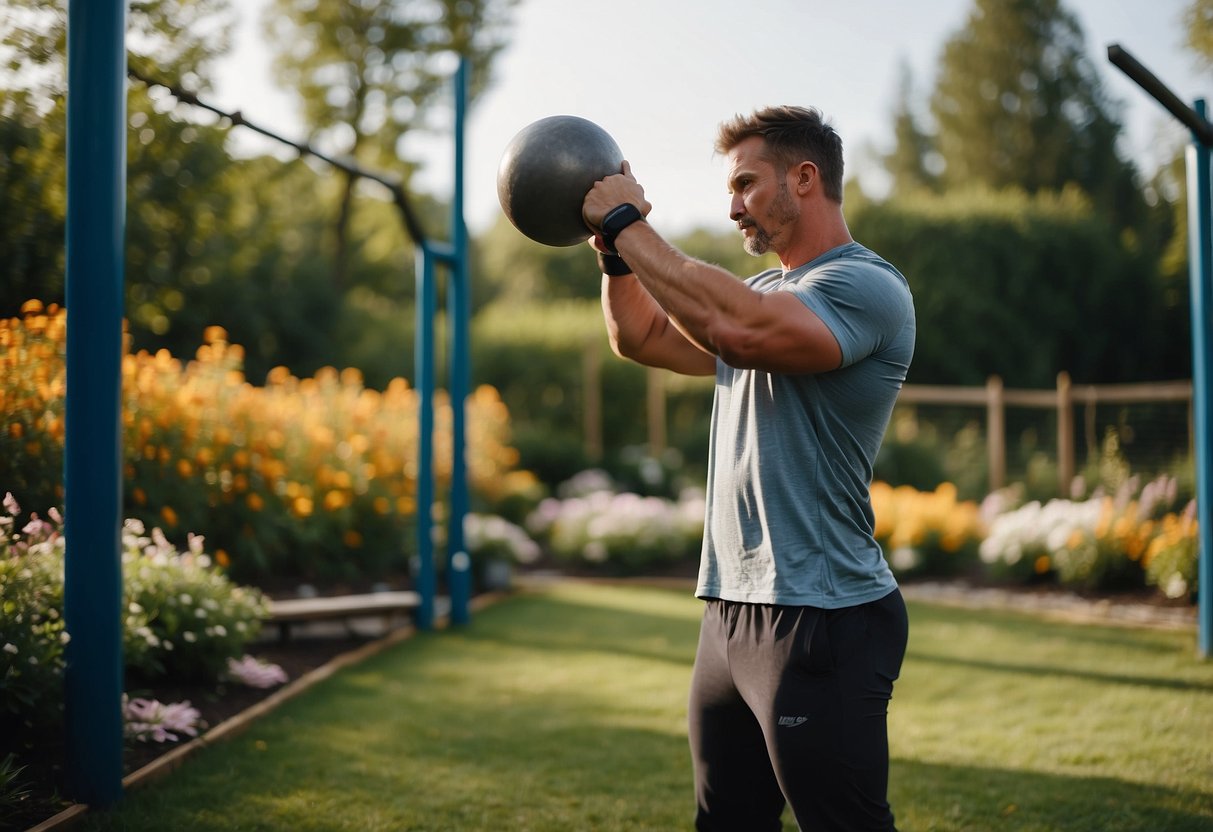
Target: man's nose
[[736, 208]]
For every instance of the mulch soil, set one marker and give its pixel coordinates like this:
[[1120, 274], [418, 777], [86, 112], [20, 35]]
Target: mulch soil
[[216, 704]]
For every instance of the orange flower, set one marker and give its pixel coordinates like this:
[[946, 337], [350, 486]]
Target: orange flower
[[169, 516]]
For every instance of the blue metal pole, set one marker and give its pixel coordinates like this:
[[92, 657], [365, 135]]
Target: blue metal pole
[[424, 360], [459, 311], [96, 209], [1200, 258]]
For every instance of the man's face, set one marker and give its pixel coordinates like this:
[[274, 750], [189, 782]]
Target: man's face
[[762, 206]]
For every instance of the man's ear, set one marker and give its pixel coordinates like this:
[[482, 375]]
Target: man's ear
[[806, 176]]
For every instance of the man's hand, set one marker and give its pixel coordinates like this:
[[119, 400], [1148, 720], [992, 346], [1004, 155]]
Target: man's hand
[[610, 192]]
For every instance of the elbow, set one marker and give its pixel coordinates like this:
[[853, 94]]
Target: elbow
[[735, 348]]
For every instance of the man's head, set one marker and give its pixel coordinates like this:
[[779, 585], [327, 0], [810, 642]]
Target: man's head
[[790, 135]]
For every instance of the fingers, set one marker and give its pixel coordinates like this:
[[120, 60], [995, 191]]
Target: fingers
[[613, 190]]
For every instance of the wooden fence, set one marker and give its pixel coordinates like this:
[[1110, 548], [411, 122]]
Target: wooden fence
[[1065, 400]]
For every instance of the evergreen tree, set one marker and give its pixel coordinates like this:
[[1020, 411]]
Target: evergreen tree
[[909, 163], [1018, 103]]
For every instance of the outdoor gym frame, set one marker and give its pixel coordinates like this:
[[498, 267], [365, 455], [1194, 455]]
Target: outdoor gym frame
[[95, 240], [1200, 280]]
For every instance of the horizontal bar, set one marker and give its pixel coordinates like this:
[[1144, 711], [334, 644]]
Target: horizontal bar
[[304, 148], [1149, 82]]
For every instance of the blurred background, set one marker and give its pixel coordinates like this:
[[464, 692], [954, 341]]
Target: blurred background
[[1034, 198]]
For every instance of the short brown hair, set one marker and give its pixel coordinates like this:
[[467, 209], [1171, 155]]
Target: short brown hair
[[792, 135]]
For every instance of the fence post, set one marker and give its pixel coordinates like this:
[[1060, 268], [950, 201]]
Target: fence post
[[1065, 433], [591, 389], [656, 411], [996, 432]]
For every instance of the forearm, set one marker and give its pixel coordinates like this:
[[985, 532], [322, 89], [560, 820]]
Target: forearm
[[703, 301]]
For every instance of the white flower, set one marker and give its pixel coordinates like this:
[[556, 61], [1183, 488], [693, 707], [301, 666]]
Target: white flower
[[1175, 586], [904, 558], [10, 648]]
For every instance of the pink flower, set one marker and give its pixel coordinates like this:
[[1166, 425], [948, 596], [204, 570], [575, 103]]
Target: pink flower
[[256, 673], [150, 719]]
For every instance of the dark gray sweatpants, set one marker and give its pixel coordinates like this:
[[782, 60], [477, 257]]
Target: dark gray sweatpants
[[789, 704]]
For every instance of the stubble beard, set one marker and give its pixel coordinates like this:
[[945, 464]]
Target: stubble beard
[[782, 212]]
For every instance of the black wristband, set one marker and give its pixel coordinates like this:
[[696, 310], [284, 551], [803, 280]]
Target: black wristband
[[617, 219], [613, 265]]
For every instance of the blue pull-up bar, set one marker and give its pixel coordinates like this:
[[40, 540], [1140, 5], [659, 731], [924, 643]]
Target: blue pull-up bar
[[96, 213]]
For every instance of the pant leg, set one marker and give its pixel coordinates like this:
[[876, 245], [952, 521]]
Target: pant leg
[[833, 766], [735, 786]]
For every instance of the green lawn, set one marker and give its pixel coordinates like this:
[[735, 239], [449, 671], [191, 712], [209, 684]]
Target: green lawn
[[565, 710]]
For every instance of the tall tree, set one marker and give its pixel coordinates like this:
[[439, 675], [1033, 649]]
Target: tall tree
[[910, 162], [1198, 23], [367, 70], [176, 39], [179, 37], [1019, 103]]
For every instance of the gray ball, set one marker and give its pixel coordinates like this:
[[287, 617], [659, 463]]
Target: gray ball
[[547, 170]]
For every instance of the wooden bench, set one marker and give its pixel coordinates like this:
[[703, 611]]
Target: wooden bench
[[289, 611]]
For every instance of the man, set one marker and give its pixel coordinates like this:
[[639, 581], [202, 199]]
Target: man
[[804, 629]]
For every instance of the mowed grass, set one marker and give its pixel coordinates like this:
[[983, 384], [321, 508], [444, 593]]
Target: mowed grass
[[565, 709]]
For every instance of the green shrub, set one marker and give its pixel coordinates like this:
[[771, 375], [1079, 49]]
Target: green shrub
[[32, 632], [181, 618], [190, 617]]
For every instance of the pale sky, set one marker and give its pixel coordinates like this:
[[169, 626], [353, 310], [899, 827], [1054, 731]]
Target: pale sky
[[660, 76]]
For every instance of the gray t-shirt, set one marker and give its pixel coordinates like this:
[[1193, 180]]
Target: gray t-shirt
[[789, 516]]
